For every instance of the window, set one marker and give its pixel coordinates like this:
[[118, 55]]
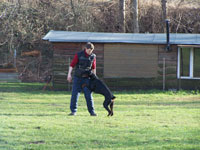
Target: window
[[197, 62], [188, 63]]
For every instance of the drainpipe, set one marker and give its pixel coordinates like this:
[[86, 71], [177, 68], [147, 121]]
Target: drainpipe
[[168, 48]]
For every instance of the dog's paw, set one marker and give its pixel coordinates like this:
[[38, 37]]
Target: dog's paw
[[110, 114]]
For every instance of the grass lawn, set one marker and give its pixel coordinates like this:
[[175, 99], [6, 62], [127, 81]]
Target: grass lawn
[[32, 119]]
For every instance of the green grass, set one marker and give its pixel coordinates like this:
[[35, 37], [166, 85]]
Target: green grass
[[32, 119]]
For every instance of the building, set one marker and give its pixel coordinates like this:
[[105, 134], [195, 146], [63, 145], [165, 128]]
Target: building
[[128, 61]]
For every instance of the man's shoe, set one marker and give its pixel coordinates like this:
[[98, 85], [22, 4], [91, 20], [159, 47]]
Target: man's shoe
[[93, 114], [72, 114]]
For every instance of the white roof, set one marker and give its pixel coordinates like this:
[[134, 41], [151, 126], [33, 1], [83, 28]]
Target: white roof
[[103, 37]]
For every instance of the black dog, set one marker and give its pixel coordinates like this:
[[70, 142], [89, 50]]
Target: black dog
[[98, 86]]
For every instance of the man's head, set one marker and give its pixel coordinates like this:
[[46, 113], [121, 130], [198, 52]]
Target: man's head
[[89, 47]]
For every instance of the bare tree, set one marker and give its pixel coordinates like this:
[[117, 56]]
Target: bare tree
[[135, 16], [122, 15], [74, 12], [164, 13]]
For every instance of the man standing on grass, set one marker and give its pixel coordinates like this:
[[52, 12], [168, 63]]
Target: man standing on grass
[[84, 62]]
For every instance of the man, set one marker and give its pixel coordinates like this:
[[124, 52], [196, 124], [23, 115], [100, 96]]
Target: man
[[84, 62]]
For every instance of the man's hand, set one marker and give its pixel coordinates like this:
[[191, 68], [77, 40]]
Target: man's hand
[[69, 78]]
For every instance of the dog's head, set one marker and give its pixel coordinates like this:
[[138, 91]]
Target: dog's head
[[93, 76]]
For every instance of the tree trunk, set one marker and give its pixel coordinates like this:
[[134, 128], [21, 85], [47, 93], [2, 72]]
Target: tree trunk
[[74, 13], [135, 17], [164, 14], [122, 15]]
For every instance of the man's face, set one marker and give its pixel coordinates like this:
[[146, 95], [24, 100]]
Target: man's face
[[89, 51]]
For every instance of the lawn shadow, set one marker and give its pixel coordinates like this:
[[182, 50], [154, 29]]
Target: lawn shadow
[[35, 115], [195, 103], [33, 88]]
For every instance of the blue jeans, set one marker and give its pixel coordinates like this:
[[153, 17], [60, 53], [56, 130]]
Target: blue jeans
[[76, 89]]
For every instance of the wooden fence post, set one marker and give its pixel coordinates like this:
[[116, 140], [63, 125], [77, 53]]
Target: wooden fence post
[[164, 74]]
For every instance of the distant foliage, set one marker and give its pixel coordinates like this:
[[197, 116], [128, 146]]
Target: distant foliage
[[24, 23]]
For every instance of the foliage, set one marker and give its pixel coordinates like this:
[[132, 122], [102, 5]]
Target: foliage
[[24, 23], [35, 119]]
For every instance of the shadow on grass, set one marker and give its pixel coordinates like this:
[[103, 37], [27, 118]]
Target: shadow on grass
[[35, 115], [20, 87], [33, 88], [36, 88], [196, 103]]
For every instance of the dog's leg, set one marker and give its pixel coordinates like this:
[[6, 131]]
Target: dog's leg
[[112, 106], [105, 105]]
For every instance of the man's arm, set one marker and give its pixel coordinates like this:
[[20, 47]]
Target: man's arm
[[94, 66], [94, 71], [69, 76], [73, 63]]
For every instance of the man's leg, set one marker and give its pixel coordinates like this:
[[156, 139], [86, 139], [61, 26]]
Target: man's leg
[[89, 100], [76, 89]]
